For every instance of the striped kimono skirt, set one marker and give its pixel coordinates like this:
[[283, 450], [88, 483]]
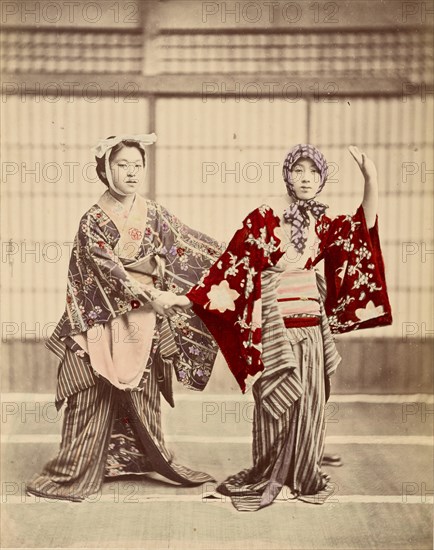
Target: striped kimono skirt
[[289, 415], [108, 432]]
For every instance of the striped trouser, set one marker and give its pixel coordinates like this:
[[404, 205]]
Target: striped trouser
[[78, 469], [288, 450]]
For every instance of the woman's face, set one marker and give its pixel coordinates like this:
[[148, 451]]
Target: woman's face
[[305, 178], [127, 170]]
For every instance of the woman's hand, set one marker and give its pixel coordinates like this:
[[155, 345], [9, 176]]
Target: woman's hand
[[184, 302], [370, 194], [168, 303], [366, 165]]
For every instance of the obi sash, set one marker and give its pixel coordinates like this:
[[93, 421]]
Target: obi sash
[[298, 294]]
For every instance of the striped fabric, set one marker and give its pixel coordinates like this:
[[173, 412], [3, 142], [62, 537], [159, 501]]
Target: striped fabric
[[280, 383], [330, 351], [288, 450], [290, 399], [78, 469], [88, 439], [168, 345], [75, 373]]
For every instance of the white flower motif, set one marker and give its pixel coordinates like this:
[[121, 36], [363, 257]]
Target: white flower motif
[[362, 280], [222, 297], [370, 311]]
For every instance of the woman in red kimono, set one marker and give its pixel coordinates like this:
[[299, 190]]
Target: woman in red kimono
[[267, 307]]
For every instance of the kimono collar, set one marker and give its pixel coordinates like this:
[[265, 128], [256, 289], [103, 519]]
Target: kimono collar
[[130, 223]]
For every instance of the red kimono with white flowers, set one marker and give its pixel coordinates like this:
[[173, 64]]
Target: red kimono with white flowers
[[228, 297]]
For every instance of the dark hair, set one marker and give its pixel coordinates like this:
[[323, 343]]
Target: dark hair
[[100, 162]]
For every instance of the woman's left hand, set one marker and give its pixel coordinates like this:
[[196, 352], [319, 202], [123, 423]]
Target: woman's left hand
[[370, 193], [366, 165]]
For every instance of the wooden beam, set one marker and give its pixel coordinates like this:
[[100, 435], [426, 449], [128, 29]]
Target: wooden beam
[[292, 88]]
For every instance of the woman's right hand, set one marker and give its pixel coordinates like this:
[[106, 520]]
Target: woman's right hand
[[167, 302]]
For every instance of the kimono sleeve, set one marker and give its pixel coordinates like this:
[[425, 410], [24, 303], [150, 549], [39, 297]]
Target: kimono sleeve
[[187, 253], [354, 269], [228, 298]]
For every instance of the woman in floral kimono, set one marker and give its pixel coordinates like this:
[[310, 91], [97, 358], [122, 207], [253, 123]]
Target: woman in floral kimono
[[123, 332], [265, 304]]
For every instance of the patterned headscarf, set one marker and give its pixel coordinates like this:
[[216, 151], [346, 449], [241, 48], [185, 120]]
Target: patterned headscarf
[[297, 212]]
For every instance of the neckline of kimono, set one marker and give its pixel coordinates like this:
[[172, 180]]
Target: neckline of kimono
[[130, 225], [310, 240], [122, 203]]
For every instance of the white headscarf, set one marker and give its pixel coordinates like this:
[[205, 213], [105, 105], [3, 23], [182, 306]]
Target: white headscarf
[[105, 146]]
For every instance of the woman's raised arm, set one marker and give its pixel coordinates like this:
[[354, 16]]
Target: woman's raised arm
[[370, 195]]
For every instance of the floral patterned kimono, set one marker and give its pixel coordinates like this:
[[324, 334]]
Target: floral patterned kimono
[[116, 355], [274, 326]]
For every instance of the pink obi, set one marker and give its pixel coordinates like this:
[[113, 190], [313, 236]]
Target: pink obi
[[298, 294]]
